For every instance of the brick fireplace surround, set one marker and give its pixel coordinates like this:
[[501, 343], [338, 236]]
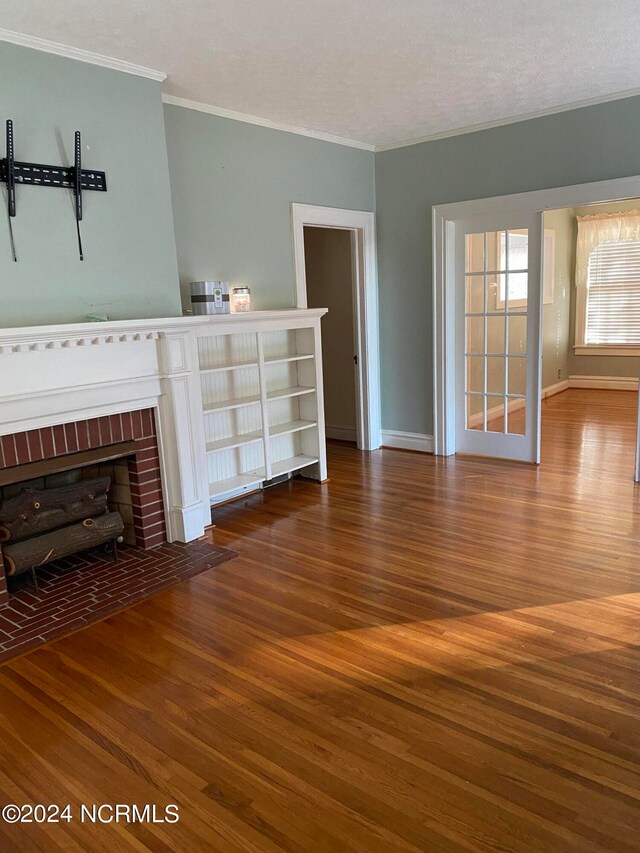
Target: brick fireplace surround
[[144, 464]]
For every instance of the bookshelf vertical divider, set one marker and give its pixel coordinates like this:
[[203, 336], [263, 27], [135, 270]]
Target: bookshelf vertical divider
[[262, 398], [264, 405]]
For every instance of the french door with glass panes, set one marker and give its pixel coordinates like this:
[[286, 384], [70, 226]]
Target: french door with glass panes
[[498, 262]]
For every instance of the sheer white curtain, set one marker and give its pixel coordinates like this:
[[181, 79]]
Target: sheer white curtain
[[608, 280], [601, 228]]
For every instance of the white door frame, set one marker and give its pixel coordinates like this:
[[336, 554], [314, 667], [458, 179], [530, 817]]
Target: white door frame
[[365, 299], [444, 291]]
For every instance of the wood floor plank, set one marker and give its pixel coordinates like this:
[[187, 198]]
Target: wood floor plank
[[423, 654]]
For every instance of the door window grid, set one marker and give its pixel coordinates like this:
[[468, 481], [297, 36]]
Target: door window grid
[[495, 331]]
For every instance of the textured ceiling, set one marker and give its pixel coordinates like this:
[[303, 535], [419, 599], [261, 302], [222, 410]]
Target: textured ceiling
[[377, 71]]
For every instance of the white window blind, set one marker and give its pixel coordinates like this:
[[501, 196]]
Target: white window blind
[[613, 294]]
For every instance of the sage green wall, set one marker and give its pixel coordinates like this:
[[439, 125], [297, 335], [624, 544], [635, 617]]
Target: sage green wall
[[232, 184], [590, 144], [130, 265], [556, 338]]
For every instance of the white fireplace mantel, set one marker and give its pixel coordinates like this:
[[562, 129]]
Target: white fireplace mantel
[[58, 374], [70, 335]]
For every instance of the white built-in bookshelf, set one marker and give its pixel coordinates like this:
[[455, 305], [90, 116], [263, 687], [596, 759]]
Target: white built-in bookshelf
[[262, 402]]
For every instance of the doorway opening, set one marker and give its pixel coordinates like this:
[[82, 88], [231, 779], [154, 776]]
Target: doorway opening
[[330, 267], [360, 378], [452, 224], [591, 326]]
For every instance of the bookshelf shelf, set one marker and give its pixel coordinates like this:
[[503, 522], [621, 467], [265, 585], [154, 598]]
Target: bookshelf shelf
[[220, 368], [295, 391], [226, 405], [291, 426], [233, 441], [294, 463]]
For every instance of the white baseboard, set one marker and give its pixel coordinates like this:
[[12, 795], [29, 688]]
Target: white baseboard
[[341, 433], [605, 383], [516, 405], [407, 440], [556, 388], [495, 412]]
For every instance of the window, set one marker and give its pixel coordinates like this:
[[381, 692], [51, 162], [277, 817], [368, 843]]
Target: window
[[608, 283], [518, 260], [613, 295]]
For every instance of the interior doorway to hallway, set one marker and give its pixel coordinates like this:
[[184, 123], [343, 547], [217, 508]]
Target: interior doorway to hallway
[[330, 268], [364, 365]]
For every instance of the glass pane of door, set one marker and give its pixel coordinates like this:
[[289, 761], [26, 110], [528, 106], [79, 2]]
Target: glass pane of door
[[496, 297]]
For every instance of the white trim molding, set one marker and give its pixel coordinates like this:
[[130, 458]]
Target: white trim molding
[[607, 349], [174, 101], [398, 440], [341, 433], [68, 335], [501, 122], [362, 225], [68, 52], [556, 388], [605, 383]]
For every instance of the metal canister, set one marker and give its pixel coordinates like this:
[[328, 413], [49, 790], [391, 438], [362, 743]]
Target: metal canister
[[210, 297]]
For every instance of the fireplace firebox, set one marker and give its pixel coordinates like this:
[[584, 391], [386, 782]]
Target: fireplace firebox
[[40, 526], [123, 448]]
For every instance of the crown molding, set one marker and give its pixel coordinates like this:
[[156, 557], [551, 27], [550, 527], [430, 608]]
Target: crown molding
[[447, 134], [474, 128], [263, 122], [114, 64], [68, 52]]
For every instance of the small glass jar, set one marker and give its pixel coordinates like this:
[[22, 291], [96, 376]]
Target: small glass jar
[[241, 297]]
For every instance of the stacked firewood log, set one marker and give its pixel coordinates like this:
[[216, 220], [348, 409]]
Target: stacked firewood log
[[42, 525]]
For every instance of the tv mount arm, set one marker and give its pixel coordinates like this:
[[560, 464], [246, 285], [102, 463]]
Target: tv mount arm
[[11, 186], [77, 189]]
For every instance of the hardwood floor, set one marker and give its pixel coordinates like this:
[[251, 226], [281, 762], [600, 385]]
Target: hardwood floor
[[424, 654]]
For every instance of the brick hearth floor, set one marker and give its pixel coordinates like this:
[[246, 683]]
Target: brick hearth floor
[[79, 590]]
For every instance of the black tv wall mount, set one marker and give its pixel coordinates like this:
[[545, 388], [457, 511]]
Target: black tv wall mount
[[75, 178]]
